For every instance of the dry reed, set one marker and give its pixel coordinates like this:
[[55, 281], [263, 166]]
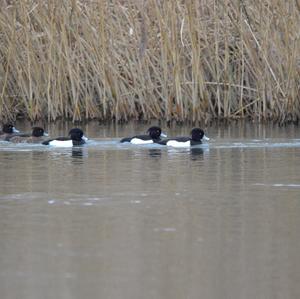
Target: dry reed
[[184, 60]]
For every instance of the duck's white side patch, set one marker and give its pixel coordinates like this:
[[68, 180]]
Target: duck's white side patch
[[175, 143], [140, 141], [61, 143]]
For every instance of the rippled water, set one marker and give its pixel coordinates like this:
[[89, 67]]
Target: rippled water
[[119, 221]]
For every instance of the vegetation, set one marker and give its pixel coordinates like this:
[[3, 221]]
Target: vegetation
[[184, 60]]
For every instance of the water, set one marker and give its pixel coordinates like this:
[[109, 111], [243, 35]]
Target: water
[[120, 221]]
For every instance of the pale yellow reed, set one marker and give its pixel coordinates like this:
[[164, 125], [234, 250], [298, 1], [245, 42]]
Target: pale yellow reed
[[193, 60]]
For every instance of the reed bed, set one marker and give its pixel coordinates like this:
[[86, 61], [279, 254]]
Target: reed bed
[[182, 60]]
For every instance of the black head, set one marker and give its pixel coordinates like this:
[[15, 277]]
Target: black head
[[154, 132], [8, 129], [37, 132], [197, 134], [76, 134]]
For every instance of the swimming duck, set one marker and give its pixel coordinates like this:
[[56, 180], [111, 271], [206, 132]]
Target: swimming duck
[[154, 136], [8, 131], [75, 138], [37, 136], [197, 135]]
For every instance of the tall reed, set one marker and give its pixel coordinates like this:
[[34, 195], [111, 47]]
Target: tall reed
[[184, 60]]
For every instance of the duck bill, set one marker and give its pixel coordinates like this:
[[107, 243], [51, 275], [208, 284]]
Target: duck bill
[[85, 138], [45, 134], [163, 135], [15, 130], [205, 138]]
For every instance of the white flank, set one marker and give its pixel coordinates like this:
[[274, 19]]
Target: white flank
[[175, 143], [140, 141], [61, 143]]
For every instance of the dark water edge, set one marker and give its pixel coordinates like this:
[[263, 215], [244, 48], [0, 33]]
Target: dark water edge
[[237, 128]]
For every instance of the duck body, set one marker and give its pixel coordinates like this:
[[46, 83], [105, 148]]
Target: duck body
[[197, 135], [154, 136], [8, 131], [75, 138], [63, 142], [139, 139], [37, 136], [180, 142]]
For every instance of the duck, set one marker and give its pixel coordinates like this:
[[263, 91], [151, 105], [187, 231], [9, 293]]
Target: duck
[[8, 131], [76, 137], [154, 136], [37, 136], [196, 137]]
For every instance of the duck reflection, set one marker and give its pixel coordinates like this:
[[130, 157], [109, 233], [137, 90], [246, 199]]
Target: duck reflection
[[155, 153], [77, 152], [77, 155], [196, 153]]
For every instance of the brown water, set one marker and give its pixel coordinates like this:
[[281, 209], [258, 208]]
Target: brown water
[[119, 221]]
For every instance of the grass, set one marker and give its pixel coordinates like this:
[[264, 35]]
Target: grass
[[175, 60]]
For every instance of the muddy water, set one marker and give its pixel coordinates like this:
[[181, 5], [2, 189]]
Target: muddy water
[[116, 221]]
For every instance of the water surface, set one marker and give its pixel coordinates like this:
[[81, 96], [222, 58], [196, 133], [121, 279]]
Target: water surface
[[119, 221]]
